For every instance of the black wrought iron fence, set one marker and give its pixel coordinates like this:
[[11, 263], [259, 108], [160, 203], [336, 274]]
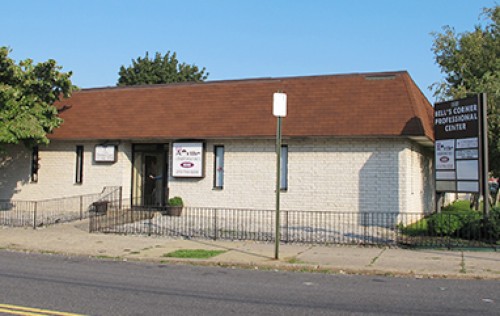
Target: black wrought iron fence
[[52, 211], [17, 213], [317, 227]]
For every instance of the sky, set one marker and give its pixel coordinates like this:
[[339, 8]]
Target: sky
[[236, 39]]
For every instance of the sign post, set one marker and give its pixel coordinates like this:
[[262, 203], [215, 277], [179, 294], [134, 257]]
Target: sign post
[[484, 140], [279, 110], [461, 147]]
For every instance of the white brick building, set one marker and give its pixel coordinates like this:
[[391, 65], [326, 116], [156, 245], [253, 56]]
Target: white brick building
[[353, 143]]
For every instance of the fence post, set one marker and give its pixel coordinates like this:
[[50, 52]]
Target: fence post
[[397, 227], [286, 226], [365, 227], [81, 207], [150, 223], [91, 223], [34, 214], [215, 224], [120, 194]]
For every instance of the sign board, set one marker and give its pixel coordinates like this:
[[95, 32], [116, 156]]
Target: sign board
[[457, 119], [187, 160], [105, 153], [458, 149], [279, 104]]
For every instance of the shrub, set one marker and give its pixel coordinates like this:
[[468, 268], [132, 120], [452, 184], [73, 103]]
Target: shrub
[[444, 224], [457, 219], [493, 225], [175, 201]]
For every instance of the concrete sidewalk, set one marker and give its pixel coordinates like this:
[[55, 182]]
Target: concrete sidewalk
[[73, 239]]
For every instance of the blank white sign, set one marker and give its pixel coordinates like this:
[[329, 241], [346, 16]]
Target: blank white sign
[[467, 170]]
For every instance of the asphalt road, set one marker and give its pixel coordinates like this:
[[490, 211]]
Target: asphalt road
[[100, 287]]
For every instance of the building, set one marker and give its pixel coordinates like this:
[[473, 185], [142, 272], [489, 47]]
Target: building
[[351, 143]]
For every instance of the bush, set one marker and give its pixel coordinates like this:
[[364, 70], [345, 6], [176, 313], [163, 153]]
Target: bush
[[175, 201], [456, 219], [493, 225], [444, 224]]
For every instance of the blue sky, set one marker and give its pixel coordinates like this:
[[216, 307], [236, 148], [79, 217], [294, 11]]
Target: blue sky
[[236, 39]]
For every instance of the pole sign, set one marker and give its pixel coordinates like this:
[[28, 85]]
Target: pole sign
[[458, 131]]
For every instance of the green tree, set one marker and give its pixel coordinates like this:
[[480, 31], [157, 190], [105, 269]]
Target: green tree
[[470, 62], [160, 69], [27, 96]]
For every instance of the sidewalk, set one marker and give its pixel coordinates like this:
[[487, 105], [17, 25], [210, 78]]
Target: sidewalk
[[73, 239]]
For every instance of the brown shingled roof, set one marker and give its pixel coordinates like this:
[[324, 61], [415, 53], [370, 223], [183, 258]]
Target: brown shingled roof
[[373, 104]]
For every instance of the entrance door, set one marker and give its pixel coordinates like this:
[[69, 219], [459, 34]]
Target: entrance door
[[152, 180], [149, 175]]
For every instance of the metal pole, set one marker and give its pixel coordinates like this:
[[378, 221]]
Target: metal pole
[[278, 187], [484, 140]]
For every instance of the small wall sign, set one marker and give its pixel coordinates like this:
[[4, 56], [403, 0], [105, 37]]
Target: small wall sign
[[105, 153]]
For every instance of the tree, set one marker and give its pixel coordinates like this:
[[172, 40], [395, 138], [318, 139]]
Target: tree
[[161, 69], [471, 64], [27, 96]]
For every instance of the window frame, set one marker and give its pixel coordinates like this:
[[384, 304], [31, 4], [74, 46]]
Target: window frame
[[219, 161], [284, 168], [79, 164], [35, 164]]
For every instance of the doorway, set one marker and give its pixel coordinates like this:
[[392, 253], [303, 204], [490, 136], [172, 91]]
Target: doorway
[[150, 170]]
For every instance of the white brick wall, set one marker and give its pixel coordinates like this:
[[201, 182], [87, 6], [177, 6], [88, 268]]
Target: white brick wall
[[56, 177], [347, 175], [420, 183]]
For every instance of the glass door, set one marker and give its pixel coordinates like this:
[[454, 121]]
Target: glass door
[[149, 175]]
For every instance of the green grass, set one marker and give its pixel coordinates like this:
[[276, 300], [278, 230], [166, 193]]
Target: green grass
[[419, 228], [457, 206], [194, 253], [294, 260]]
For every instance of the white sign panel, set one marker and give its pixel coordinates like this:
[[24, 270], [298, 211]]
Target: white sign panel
[[445, 154], [105, 153], [468, 186], [279, 104], [467, 143], [467, 154], [187, 160], [467, 170]]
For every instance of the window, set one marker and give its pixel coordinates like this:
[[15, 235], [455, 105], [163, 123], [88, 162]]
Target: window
[[35, 164], [219, 167], [284, 168], [79, 165]]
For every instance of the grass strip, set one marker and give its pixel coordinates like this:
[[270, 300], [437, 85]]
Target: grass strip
[[194, 253]]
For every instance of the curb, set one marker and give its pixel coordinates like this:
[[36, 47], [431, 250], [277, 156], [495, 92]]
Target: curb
[[277, 266]]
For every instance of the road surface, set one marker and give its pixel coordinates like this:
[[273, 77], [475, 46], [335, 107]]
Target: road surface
[[44, 284]]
